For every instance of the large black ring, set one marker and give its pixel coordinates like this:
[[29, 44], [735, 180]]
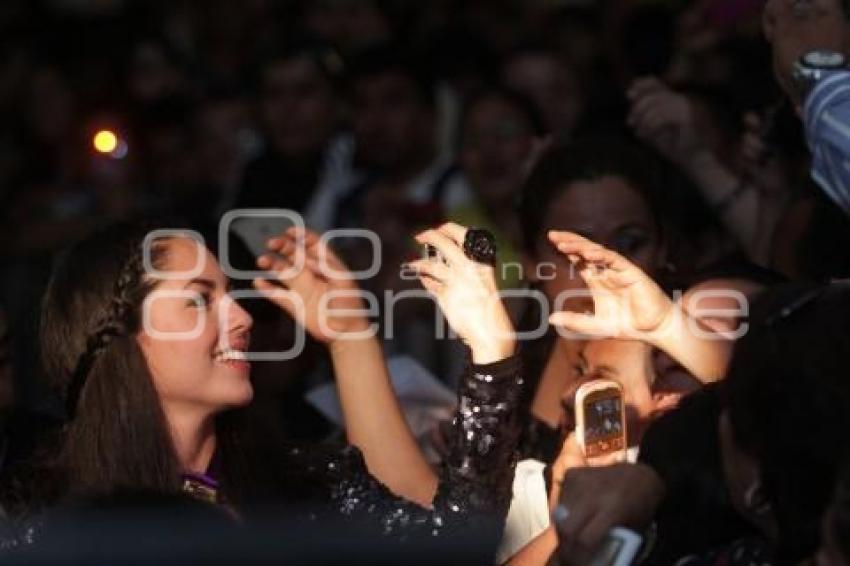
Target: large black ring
[[480, 245]]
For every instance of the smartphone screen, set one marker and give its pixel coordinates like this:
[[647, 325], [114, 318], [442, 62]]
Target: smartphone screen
[[603, 423]]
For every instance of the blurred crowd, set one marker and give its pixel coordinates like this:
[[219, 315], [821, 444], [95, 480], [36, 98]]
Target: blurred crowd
[[655, 128], [381, 115]]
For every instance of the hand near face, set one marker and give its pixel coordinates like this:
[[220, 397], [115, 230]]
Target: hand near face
[[467, 294], [330, 302], [627, 302]]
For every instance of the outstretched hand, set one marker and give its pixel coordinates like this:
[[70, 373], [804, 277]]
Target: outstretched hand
[[467, 294], [320, 294], [627, 302]]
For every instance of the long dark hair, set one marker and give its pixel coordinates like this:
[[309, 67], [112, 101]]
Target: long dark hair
[[116, 435], [589, 159], [115, 439]]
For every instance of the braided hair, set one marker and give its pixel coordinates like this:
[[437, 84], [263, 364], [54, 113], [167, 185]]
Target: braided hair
[[116, 434], [117, 321], [116, 438]]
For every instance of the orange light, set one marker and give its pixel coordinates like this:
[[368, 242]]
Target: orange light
[[105, 141]]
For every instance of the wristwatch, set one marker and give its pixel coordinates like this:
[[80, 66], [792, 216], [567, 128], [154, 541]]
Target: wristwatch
[[813, 67]]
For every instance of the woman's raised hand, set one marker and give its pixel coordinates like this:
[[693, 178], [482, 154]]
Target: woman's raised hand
[[467, 294], [627, 302], [320, 294]]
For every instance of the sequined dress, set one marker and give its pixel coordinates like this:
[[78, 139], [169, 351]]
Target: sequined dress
[[475, 479]]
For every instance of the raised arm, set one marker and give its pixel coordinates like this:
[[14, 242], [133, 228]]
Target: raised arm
[[474, 490], [477, 475], [748, 202], [332, 310], [629, 304]]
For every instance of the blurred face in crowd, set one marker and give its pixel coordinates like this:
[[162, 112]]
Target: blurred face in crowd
[[496, 145], [794, 28], [551, 84], [298, 106], [393, 124], [205, 372], [608, 211]]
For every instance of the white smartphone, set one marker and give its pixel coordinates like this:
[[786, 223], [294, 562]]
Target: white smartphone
[[620, 548], [601, 420], [255, 231]]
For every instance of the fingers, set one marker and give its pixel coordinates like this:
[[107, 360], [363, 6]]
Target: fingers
[[578, 247], [572, 522], [280, 265], [645, 105], [643, 86], [317, 247], [571, 455], [580, 323], [265, 286], [289, 301], [436, 270], [284, 245], [431, 285], [295, 239], [317, 253], [453, 231], [446, 245], [308, 236], [558, 236]]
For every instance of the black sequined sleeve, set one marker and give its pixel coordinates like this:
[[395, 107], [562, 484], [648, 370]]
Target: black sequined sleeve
[[478, 473], [476, 479]]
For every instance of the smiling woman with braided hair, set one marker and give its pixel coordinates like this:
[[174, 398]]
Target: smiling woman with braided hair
[[150, 412]]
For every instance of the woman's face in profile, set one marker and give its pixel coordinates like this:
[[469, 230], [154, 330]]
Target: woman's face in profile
[[611, 213], [194, 335]]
